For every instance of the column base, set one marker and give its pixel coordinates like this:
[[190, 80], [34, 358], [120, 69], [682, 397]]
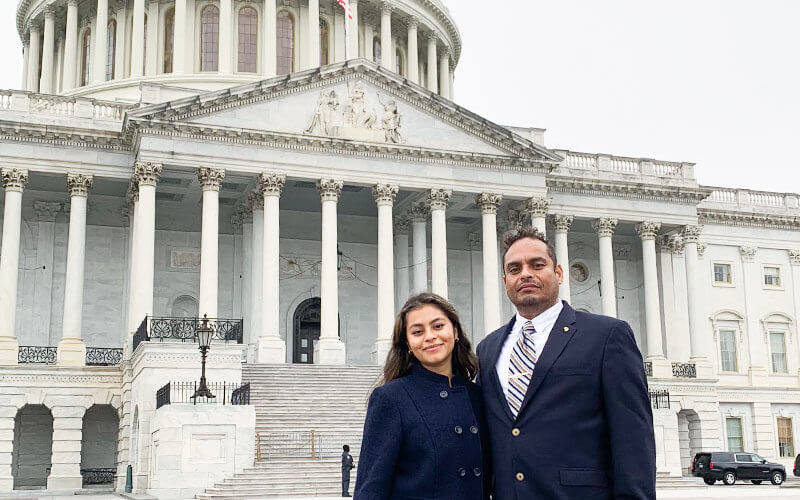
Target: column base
[[64, 482], [380, 350], [759, 377], [71, 352], [9, 351], [661, 367], [271, 350], [329, 352], [703, 367]]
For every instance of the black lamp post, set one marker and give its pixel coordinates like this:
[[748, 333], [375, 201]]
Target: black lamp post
[[204, 334]]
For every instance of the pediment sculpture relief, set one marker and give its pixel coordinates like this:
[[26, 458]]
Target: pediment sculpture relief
[[353, 118]]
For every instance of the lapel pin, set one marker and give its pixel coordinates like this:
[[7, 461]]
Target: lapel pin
[[566, 328]]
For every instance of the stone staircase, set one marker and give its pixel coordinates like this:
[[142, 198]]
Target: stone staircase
[[291, 401]]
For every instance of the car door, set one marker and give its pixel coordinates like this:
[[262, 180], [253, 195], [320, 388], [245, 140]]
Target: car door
[[744, 466], [760, 470]]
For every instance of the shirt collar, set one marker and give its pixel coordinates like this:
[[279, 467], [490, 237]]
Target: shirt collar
[[544, 321]]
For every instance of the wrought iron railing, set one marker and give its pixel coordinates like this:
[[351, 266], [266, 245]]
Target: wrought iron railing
[[225, 393], [304, 444], [648, 368], [185, 330], [98, 476], [684, 370], [37, 354], [659, 399], [103, 356]]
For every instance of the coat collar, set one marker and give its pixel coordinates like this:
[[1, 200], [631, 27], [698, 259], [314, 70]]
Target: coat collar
[[419, 372]]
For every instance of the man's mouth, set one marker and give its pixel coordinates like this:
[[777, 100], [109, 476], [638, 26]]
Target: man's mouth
[[527, 286]]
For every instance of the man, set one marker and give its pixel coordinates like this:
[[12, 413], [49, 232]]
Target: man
[[565, 392], [347, 466]]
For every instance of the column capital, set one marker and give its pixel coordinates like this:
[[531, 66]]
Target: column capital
[[675, 244], [384, 194], [387, 7], [330, 189], [14, 179], [353, 3], [701, 249], [255, 201], [401, 224], [271, 184], [438, 198], [412, 22], [648, 230], [605, 226], [49, 12], [748, 253], [210, 178], [537, 206], [72, 3], [432, 38], [46, 210], [691, 233], [147, 173], [488, 202], [561, 223], [79, 184], [794, 257], [418, 212]]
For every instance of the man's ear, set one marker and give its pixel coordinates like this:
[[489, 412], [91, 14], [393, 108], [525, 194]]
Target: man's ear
[[559, 274]]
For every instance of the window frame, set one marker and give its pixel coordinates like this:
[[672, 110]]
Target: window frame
[[791, 451], [728, 435], [238, 39], [782, 333], [727, 284], [200, 50], [292, 16], [764, 284], [734, 334]]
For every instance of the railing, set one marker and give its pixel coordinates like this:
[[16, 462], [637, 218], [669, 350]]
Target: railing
[[659, 399], [185, 329], [648, 368], [723, 196], [6, 99], [29, 354], [62, 106], [750, 199], [668, 169], [103, 356], [303, 444], [684, 370], [225, 393], [98, 476], [624, 165], [627, 165], [576, 160]]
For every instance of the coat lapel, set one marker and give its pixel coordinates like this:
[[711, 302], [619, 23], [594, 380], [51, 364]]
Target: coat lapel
[[556, 342], [493, 379]]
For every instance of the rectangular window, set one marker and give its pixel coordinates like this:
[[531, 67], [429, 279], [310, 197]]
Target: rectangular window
[[785, 438], [727, 347], [772, 276], [777, 345], [722, 273], [733, 425]]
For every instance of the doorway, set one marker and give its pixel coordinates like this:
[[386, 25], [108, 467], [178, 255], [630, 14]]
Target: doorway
[[306, 330]]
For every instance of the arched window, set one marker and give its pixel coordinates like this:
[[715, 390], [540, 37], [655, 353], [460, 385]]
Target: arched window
[[86, 47], [169, 39], [324, 43], [376, 50], [285, 43], [112, 49], [399, 64], [209, 39], [248, 40]]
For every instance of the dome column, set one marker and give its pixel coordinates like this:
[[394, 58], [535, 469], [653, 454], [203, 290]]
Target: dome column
[[353, 41], [180, 63], [137, 43], [413, 51], [432, 63], [48, 51], [444, 74], [225, 37], [100, 38], [387, 55], [312, 29], [269, 64], [71, 46], [33, 59], [151, 46]]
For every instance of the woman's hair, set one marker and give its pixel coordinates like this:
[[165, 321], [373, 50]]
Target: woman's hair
[[400, 360]]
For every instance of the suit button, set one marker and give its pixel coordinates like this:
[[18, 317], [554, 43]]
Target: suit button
[[462, 472], [473, 429], [515, 432], [443, 394], [520, 476], [477, 472], [458, 429]]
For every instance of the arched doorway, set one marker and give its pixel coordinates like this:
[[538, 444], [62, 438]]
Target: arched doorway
[[306, 330], [185, 306], [33, 447], [99, 445], [688, 437]]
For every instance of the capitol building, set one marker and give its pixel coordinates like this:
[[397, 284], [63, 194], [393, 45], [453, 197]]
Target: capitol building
[[292, 173]]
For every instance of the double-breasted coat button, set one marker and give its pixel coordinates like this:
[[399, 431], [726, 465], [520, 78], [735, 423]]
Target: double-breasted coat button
[[443, 394], [462, 472], [520, 476], [473, 429], [477, 472], [458, 429], [515, 432]]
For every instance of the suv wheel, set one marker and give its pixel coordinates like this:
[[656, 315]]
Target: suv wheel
[[729, 477], [776, 478], [709, 481]]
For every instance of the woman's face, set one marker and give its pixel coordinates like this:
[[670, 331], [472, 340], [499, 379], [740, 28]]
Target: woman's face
[[431, 338]]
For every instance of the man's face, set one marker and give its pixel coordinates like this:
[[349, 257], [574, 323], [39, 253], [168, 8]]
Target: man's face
[[530, 277]]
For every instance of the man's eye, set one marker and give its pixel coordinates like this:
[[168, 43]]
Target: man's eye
[[513, 270]]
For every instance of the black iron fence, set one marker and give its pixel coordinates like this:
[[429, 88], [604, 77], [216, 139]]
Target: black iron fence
[[659, 399], [185, 330], [103, 356], [29, 354], [684, 370], [225, 393], [98, 476]]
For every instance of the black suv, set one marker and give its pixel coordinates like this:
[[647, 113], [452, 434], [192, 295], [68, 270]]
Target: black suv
[[797, 466], [729, 466]]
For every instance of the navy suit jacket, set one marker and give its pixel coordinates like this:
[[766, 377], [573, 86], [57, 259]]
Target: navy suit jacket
[[585, 429]]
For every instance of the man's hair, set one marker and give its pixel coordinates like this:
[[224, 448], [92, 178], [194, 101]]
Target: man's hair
[[527, 232], [346, 448]]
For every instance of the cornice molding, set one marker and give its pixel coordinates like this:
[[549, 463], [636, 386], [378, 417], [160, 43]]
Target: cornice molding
[[55, 135], [623, 189], [748, 219]]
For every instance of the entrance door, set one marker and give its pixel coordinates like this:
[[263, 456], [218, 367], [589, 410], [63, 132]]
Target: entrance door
[[306, 330]]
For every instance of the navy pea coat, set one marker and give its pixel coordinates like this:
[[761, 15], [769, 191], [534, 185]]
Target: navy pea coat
[[424, 439], [585, 428]]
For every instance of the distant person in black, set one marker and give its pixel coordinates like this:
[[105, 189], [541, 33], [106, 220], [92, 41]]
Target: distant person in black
[[347, 465]]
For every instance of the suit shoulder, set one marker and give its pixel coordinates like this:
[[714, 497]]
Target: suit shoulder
[[492, 337], [600, 322]]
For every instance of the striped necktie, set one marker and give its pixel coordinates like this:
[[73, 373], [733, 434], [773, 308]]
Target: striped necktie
[[522, 362]]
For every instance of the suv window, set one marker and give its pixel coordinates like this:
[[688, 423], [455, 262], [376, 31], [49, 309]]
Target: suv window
[[743, 457], [756, 458], [722, 457]]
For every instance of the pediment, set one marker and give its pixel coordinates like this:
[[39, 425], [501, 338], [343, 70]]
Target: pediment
[[351, 103]]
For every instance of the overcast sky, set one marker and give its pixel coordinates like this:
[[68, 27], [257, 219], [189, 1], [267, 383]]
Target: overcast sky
[[713, 82]]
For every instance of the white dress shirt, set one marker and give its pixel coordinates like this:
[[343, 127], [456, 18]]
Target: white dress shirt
[[543, 323]]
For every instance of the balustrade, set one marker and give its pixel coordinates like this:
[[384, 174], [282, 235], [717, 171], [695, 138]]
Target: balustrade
[[185, 329], [95, 356], [225, 393], [684, 370], [31, 354]]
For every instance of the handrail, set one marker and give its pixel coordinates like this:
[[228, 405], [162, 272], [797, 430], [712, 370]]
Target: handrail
[[311, 444]]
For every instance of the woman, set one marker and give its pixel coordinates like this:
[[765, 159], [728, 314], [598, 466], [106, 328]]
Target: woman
[[424, 435]]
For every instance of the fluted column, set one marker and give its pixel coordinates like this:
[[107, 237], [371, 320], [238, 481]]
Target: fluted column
[[537, 206], [647, 231], [210, 180], [312, 30], [137, 40], [605, 231], [433, 74], [151, 46], [329, 350], [387, 54], [353, 30], [488, 203], [561, 224], [412, 50], [33, 59], [226, 36], [48, 52], [256, 202], [120, 71], [691, 234], [444, 74], [419, 222], [384, 197], [402, 269], [437, 202], [100, 43], [14, 181], [271, 348], [71, 348], [181, 63], [270, 53]]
